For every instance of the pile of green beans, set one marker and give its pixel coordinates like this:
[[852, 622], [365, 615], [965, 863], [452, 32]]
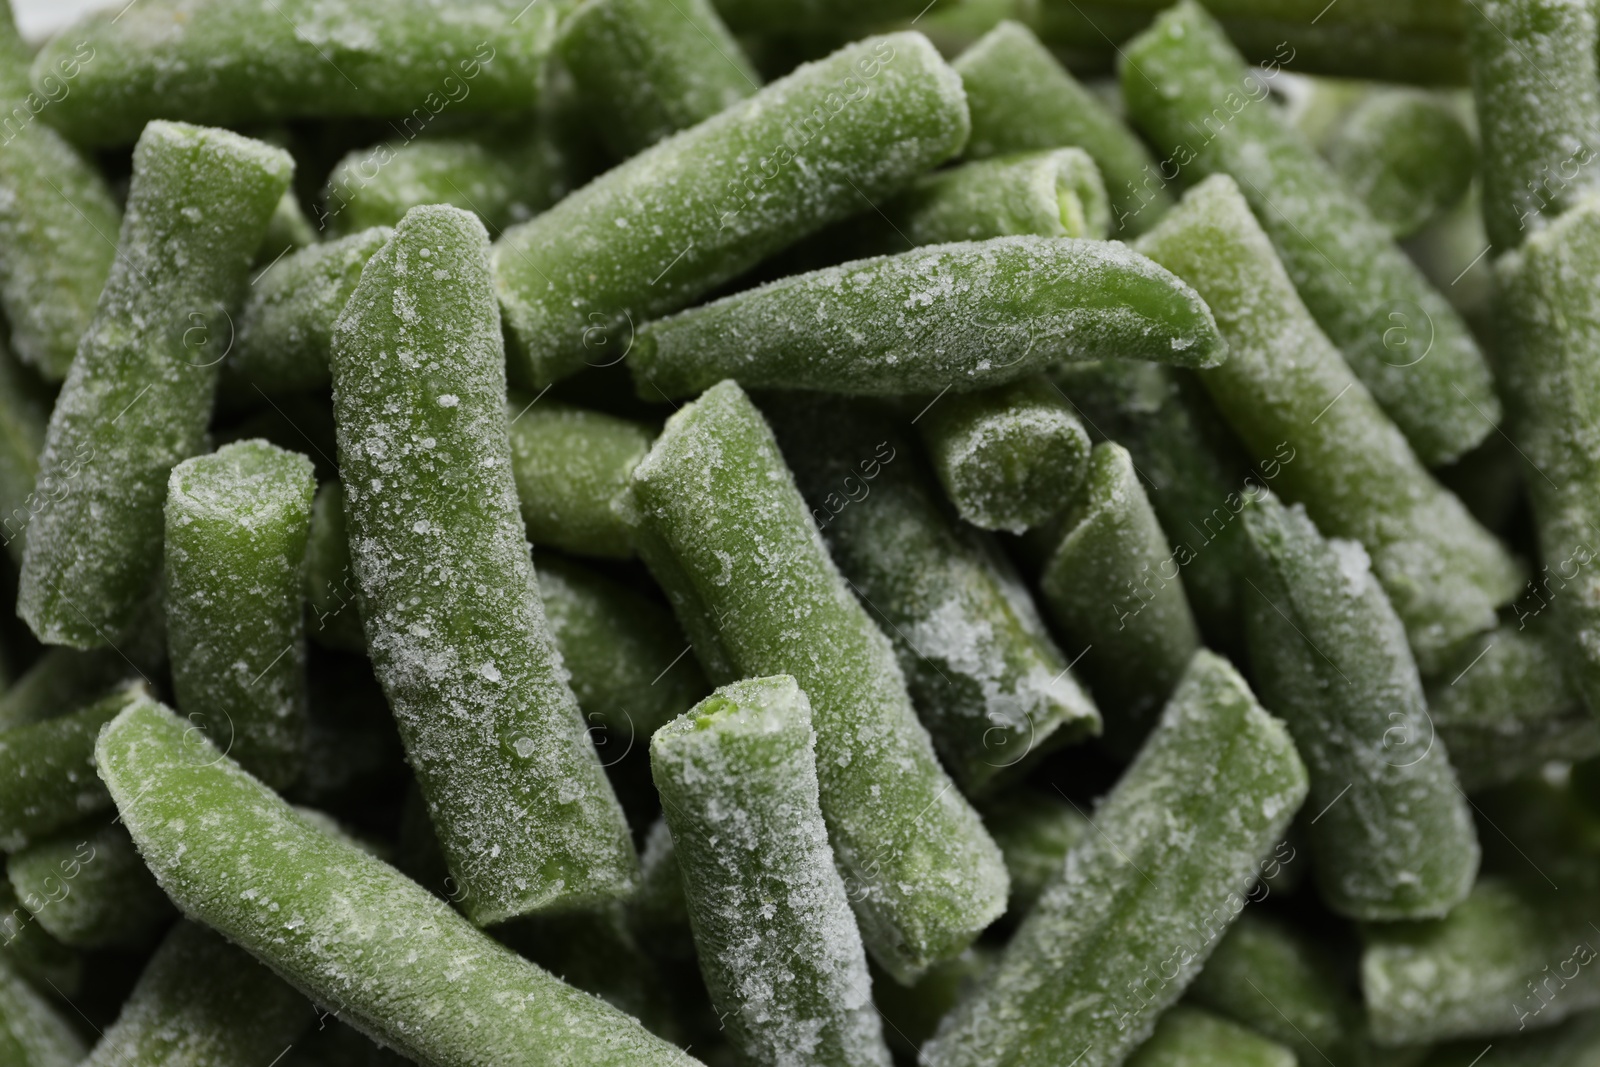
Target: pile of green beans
[[801, 533]]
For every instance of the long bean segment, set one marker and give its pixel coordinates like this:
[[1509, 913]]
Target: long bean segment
[[90, 890], [717, 517]]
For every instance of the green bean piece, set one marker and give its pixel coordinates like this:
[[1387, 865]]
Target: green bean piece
[[1023, 99], [675, 222], [506, 175], [227, 64], [1270, 977], [717, 518], [32, 1032], [1504, 707], [1536, 90], [1190, 466], [331, 590], [237, 524], [645, 69], [286, 324], [47, 773], [1284, 383], [1179, 841], [969, 315], [989, 685], [1550, 319], [771, 15], [27, 948], [61, 680], [624, 651], [1008, 458], [1393, 837], [1035, 830], [202, 1002], [90, 890], [1111, 587], [1513, 956], [779, 949], [1364, 293], [24, 414], [1574, 1043], [140, 392], [570, 464], [451, 609], [409, 972], [58, 220], [1191, 1037], [1406, 154]]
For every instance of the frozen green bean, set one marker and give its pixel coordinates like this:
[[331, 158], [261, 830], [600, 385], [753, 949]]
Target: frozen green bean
[[1023, 99], [346, 929], [1406, 154], [1536, 91], [202, 1002], [140, 392], [1504, 707], [32, 1032], [1111, 586], [1035, 830], [989, 685], [62, 680], [569, 464], [1393, 838], [229, 64], [451, 608], [1497, 963], [47, 772], [778, 946], [1008, 458], [1191, 1037], [678, 220], [33, 953], [90, 889], [286, 323], [1550, 319], [964, 316], [58, 221], [718, 519], [1273, 979], [331, 590], [1284, 383], [237, 524], [1178, 843], [646, 69], [1188, 88], [506, 175]]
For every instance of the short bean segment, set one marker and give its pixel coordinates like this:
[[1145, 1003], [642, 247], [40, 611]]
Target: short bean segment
[[990, 686], [1192, 1037], [969, 315], [32, 1032], [1008, 458], [1111, 585], [1285, 384], [671, 224], [139, 396], [646, 69], [202, 1002], [231, 64], [237, 524], [1075, 980], [58, 220], [451, 608], [47, 774], [718, 519], [778, 946], [1393, 837], [1364, 293], [1023, 99], [412, 973], [1536, 91], [570, 463], [1551, 322], [90, 889], [286, 324]]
